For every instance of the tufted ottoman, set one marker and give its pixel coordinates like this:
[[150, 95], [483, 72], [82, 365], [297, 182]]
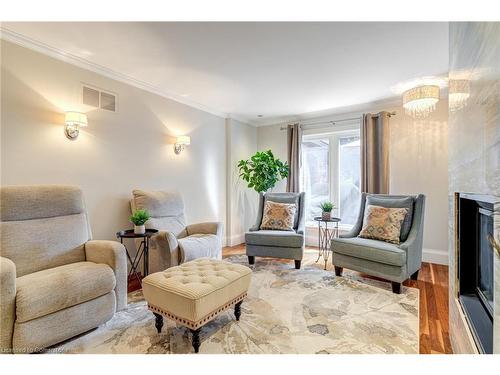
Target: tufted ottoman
[[195, 292]]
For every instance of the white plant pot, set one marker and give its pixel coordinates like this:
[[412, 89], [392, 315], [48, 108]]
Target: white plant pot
[[139, 229]]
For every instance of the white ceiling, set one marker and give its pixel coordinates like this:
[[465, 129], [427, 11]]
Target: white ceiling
[[243, 70]]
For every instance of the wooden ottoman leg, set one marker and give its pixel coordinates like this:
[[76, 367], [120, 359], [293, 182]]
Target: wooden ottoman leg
[[196, 339], [158, 322], [237, 310]]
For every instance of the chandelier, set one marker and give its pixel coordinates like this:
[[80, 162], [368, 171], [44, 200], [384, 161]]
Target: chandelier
[[459, 92], [421, 100]]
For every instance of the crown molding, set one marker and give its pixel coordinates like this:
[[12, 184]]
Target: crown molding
[[335, 113], [243, 120], [23, 41]]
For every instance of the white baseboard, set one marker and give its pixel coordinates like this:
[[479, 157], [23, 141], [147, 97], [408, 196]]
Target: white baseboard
[[236, 239], [435, 256]]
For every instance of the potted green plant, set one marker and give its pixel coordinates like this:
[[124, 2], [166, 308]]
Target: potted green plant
[[139, 218], [262, 171], [326, 208]]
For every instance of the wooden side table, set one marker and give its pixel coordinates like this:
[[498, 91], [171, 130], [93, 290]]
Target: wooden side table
[[142, 252], [325, 235]]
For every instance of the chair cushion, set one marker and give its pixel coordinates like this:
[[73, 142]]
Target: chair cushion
[[45, 292], [274, 238], [373, 250], [278, 216], [199, 246], [391, 201], [382, 223], [195, 291]]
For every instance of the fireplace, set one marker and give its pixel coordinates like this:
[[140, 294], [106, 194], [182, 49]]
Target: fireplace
[[475, 265]]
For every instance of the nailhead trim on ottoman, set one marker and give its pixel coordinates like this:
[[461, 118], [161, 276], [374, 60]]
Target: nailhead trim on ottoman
[[201, 322]]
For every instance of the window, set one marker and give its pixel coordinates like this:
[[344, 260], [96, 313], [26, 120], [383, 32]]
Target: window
[[315, 175], [331, 171], [349, 178]]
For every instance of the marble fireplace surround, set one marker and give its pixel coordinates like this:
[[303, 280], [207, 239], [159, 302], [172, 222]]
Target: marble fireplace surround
[[474, 153]]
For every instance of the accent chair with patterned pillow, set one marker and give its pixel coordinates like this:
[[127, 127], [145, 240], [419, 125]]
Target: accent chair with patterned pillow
[[383, 223], [278, 231], [395, 259]]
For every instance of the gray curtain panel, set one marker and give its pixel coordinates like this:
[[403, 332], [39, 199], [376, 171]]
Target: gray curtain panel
[[294, 139], [375, 153]]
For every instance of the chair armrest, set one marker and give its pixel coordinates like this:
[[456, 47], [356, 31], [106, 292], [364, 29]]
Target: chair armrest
[[301, 229], [415, 241], [205, 228], [167, 247], [8, 303], [254, 228], [413, 247], [114, 255]]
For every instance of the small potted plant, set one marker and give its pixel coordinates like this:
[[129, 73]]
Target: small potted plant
[[139, 218], [326, 208]]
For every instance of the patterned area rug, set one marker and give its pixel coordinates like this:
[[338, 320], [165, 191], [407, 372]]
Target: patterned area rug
[[287, 311]]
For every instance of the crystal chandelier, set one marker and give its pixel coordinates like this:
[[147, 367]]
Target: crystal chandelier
[[459, 92], [421, 100]]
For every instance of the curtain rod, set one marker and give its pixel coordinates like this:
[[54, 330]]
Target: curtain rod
[[333, 122]]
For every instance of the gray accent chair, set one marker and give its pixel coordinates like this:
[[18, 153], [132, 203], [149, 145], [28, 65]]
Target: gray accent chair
[[278, 243], [382, 259], [177, 242], [56, 282]]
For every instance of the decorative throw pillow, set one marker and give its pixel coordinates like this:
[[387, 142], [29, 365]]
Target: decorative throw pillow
[[278, 216], [395, 202], [383, 223]]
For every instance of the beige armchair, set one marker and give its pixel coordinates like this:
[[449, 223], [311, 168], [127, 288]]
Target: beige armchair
[[176, 241], [56, 282]]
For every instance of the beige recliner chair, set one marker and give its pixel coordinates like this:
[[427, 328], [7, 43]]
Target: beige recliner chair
[[176, 241], [56, 282]]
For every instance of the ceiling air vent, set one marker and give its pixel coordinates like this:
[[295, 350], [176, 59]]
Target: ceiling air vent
[[97, 98]]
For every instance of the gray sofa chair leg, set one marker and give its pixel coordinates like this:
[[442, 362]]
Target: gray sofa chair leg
[[414, 276], [297, 264], [396, 287], [251, 259], [338, 271]]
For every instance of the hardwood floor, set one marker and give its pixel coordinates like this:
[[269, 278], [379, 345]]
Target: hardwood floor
[[433, 285]]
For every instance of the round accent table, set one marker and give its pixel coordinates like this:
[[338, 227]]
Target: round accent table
[[142, 251], [325, 235]]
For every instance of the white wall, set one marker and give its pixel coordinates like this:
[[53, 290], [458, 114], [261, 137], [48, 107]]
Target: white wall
[[117, 152], [242, 202], [274, 139], [418, 162]]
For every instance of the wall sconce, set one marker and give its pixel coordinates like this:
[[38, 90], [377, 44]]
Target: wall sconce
[[458, 93], [73, 122], [181, 142]]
